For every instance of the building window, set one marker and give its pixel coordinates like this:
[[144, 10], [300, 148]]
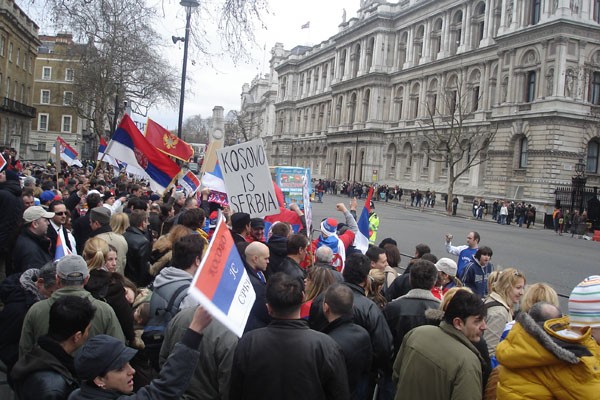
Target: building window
[[595, 88], [69, 74], [10, 50], [536, 6], [2, 45], [43, 122], [530, 89], [7, 87], [523, 152], [41, 146], [68, 99], [18, 57], [46, 73], [66, 124], [45, 97], [475, 98], [592, 156]]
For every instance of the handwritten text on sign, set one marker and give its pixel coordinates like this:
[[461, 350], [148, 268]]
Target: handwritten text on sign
[[247, 179]]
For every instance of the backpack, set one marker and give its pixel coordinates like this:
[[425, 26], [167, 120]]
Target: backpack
[[164, 305]]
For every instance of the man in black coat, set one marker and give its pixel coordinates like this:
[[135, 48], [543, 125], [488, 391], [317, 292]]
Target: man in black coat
[[353, 339], [297, 246], [81, 227], [277, 244], [32, 249], [256, 263], [303, 363], [139, 249], [12, 209]]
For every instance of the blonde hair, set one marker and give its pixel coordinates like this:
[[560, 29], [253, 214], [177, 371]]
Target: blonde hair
[[317, 281], [119, 222], [450, 294], [373, 288], [536, 293], [95, 252], [506, 281], [493, 277]]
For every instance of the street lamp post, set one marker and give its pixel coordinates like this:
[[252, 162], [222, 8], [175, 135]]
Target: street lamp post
[[578, 188], [188, 5]]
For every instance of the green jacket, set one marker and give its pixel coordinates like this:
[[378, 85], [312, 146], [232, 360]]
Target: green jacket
[[437, 363], [36, 321]]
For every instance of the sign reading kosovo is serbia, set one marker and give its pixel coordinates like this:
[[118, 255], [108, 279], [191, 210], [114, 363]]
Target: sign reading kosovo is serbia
[[221, 283], [247, 179]]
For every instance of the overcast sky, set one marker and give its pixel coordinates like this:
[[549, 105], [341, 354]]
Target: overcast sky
[[221, 83]]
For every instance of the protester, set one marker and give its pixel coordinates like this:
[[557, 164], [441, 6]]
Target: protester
[[476, 273], [447, 279], [465, 252], [162, 249], [337, 243], [33, 240], [12, 209], [307, 364], [47, 370], [104, 368], [139, 249], [256, 263], [317, 281], [57, 227], [100, 223], [240, 226], [297, 247], [71, 276], [257, 230]]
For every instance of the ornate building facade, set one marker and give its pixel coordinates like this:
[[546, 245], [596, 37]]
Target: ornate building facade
[[18, 48], [357, 106]]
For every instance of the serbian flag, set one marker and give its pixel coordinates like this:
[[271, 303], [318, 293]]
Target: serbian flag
[[105, 157], [67, 153], [190, 183], [221, 283], [142, 158], [361, 240], [2, 162], [166, 142], [61, 249]]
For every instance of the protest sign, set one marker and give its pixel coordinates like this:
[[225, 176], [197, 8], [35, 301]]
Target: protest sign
[[307, 203], [247, 179], [221, 283]]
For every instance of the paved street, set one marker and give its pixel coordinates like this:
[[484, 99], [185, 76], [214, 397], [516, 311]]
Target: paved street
[[544, 257]]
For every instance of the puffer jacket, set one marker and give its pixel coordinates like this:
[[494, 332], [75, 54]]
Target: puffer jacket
[[549, 362]]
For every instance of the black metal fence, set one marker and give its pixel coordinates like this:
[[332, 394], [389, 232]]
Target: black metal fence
[[575, 197]]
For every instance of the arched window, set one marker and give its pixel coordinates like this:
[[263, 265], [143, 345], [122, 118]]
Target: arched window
[[414, 97], [338, 111], [418, 44], [523, 152], [366, 104], [370, 49], [402, 50], [456, 34], [352, 106], [436, 38], [593, 152], [342, 63], [399, 99], [478, 24], [355, 60]]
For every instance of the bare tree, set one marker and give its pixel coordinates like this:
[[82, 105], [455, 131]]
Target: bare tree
[[456, 138], [241, 125], [195, 129]]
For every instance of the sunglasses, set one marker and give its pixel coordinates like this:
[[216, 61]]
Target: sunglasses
[[60, 213]]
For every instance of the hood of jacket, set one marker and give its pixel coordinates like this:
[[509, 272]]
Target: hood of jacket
[[421, 294], [530, 345], [171, 274], [278, 245], [27, 280], [13, 187]]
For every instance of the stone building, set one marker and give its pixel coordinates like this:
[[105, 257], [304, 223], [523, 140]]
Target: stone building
[[18, 48], [359, 105], [54, 78]]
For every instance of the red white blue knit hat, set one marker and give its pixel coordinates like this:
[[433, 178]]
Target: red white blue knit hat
[[329, 226], [584, 303]]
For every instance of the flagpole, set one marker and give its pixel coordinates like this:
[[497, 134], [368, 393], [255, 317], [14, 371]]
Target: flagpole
[[101, 159]]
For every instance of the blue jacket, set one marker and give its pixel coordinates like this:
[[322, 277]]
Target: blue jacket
[[476, 277]]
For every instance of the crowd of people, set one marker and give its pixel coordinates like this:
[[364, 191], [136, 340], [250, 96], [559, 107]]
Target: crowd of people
[[95, 305]]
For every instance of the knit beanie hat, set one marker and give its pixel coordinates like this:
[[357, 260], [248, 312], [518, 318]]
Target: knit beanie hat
[[584, 303], [329, 226]]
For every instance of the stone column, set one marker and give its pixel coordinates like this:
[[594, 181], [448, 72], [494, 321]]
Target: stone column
[[378, 55], [561, 64], [467, 28], [484, 87], [514, 24], [580, 90], [409, 48], [543, 68], [426, 52], [499, 78], [502, 28], [488, 33], [347, 65], [510, 96], [445, 38]]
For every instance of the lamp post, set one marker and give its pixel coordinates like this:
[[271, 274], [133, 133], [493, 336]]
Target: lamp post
[[188, 5]]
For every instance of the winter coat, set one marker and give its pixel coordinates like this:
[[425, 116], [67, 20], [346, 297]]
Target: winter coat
[[259, 315], [108, 287], [12, 211], [211, 377], [139, 249], [30, 251], [355, 343], [277, 252], [498, 315], [437, 363], [548, 362], [161, 254], [366, 314], [37, 318], [172, 274], [408, 312], [288, 360], [16, 299], [173, 379], [45, 371], [289, 267]]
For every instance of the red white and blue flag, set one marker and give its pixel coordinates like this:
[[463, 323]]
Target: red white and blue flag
[[105, 157], [61, 249], [190, 183], [221, 283], [67, 153], [2, 163], [361, 240], [130, 146]]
